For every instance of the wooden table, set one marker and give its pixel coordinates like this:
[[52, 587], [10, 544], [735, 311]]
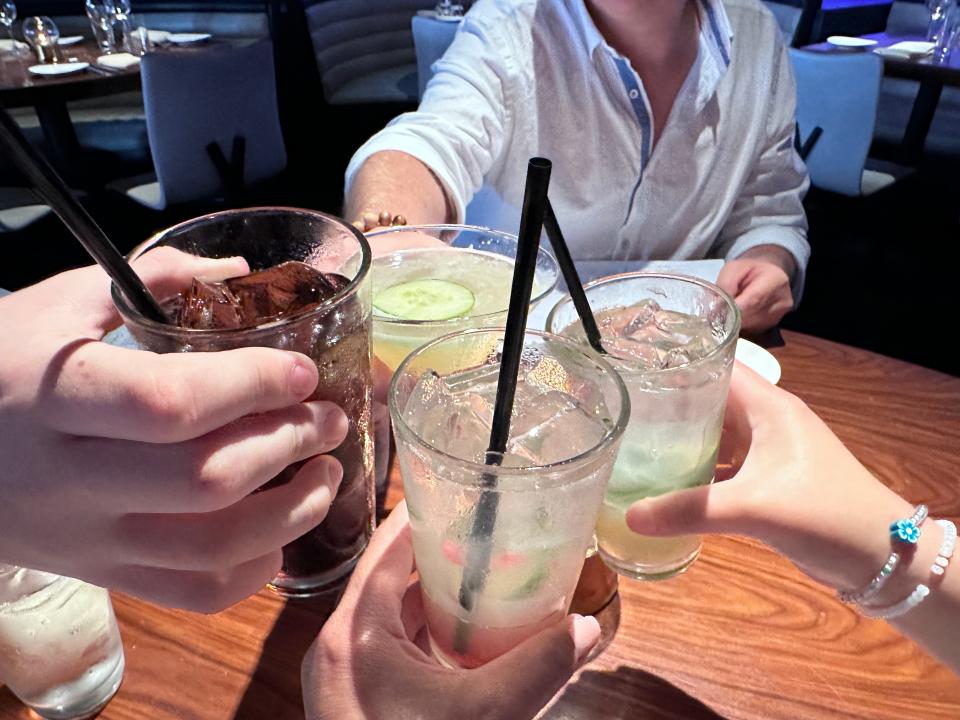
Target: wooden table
[[931, 75], [743, 634]]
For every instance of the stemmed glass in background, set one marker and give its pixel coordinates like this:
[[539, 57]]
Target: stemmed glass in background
[[948, 33], [42, 34], [8, 13], [447, 8]]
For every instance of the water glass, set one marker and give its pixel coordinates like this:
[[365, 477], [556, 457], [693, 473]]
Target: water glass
[[60, 649], [948, 35]]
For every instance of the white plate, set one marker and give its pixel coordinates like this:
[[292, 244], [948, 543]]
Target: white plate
[[843, 41], [58, 68], [70, 40], [758, 360], [158, 36], [188, 38]]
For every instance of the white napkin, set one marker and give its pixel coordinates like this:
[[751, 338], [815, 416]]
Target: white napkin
[[906, 49], [118, 61]]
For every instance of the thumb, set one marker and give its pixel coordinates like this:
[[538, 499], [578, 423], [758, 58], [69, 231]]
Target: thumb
[[525, 678], [732, 276], [718, 508]]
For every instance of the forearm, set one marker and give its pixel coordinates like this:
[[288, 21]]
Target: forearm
[[399, 184]]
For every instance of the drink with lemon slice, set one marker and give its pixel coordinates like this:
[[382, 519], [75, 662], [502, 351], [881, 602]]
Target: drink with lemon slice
[[672, 339]]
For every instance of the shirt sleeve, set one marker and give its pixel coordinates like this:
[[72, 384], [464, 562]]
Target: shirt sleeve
[[769, 209], [463, 119]]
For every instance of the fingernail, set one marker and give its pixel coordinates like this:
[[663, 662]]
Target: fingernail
[[585, 633], [303, 377], [335, 424], [334, 476]]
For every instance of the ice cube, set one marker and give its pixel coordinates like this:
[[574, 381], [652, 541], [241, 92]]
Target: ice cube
[[209, 306], [552, 429], [256, 298], [284, 289], [458, 423]]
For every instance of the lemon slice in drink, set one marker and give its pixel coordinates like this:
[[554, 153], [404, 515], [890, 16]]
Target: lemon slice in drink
[[425, 300]]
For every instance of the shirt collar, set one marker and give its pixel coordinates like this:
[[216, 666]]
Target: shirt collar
[[715, 30]]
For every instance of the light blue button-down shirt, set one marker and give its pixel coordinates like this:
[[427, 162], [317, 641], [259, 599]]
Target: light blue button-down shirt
[[535, 77]]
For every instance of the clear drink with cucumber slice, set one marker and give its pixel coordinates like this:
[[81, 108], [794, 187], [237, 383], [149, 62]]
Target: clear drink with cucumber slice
[[568, 415]]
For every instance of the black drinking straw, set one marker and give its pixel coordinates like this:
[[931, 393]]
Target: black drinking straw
[[52, 190], [572, 278], [480, 546]]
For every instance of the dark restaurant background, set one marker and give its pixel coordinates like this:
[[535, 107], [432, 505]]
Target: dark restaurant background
[[884, 267]]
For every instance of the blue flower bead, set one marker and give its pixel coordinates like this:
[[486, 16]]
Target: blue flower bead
[[905, 531]]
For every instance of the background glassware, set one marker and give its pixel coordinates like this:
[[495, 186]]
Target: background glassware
[[101, 18], [447, 8], [938, 10], [8, 13], [545, 512], [675, 421], [42, 34], [60, 648], [335, 335], [949, 34], [121, 12]]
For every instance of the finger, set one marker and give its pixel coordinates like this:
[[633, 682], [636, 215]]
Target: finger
[[383, 573], [198, 591], [212, 472], [412, 613], [255, 526], [527, 677], [103, 391], [389, 243], [717, 508], [165, 271], [732, 276]]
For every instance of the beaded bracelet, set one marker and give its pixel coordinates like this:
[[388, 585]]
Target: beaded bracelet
[[906, 531], [901, 608], [947, 547], [919, 594]]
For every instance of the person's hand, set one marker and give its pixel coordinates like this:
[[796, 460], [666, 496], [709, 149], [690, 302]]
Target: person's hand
[[369, 220], [796, 487], [134, 470], [759, 280], [369, 661]]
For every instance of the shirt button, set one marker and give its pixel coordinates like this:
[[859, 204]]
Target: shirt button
[[634, 94]]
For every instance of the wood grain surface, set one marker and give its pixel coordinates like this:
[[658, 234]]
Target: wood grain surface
[[743, 634]]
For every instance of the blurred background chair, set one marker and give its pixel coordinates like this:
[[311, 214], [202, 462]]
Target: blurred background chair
[[839, 95], [19, 209], [431, 38], [195, 99]]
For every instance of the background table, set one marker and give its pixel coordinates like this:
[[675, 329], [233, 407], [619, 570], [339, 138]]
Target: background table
[[743, 634], [931, 75]]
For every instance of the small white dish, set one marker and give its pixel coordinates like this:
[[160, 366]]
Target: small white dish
[[53, 69], [758, 360], [70, 40], [188, 38], [844, 41]]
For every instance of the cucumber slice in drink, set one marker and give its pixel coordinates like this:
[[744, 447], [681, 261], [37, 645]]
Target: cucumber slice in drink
[[425, 300]]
